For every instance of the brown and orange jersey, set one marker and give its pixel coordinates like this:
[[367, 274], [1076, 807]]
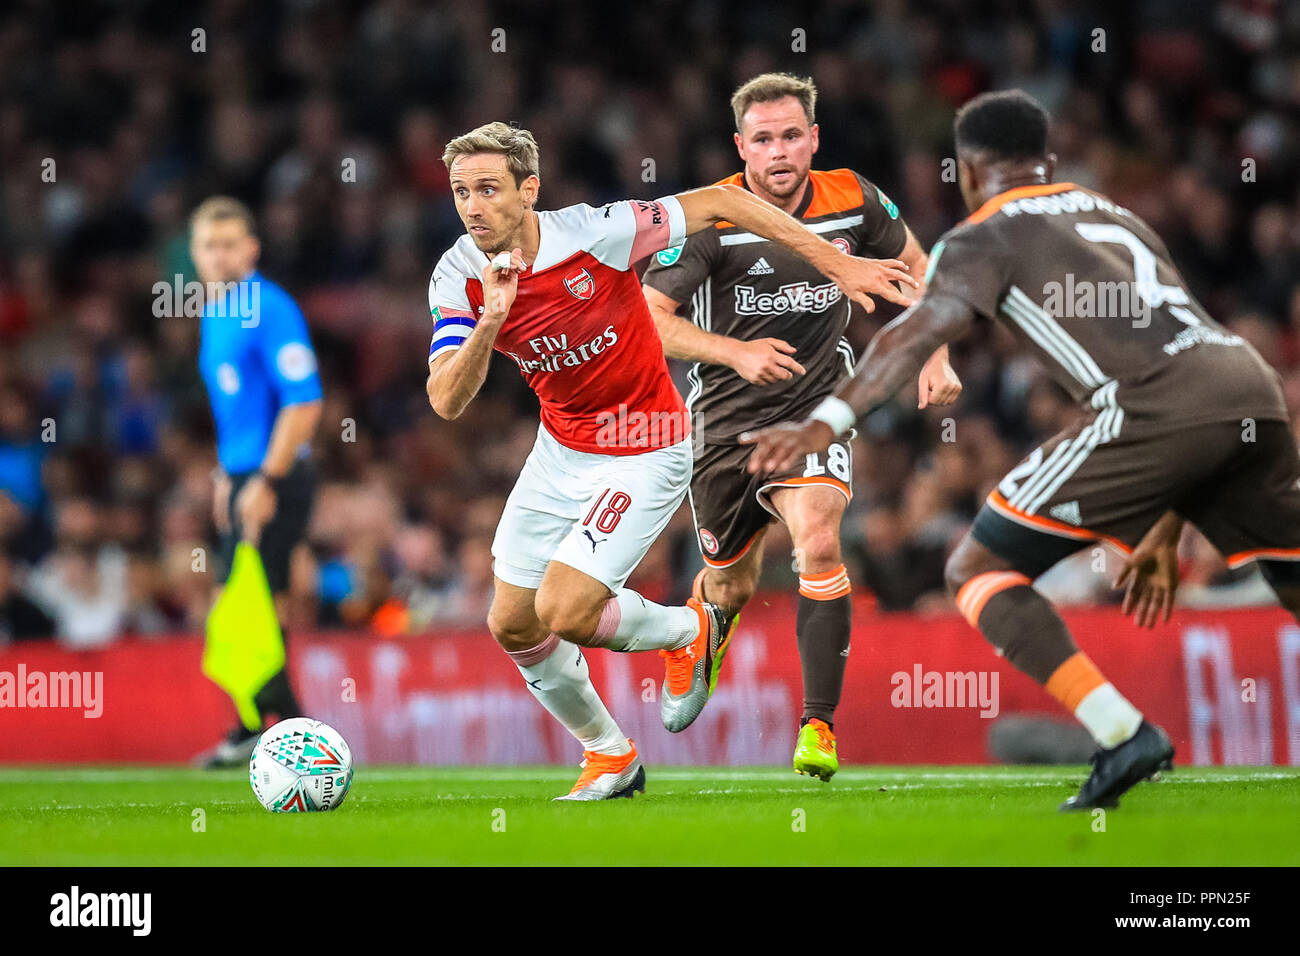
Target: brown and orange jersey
[[1092, 291], [747, 287]]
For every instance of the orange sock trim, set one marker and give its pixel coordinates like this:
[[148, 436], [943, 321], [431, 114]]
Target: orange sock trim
[[1074, 680], [975, 593], [825, 585], [697, 586]]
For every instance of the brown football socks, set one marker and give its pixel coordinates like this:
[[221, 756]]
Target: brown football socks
[[1024, 627], [823, 628]]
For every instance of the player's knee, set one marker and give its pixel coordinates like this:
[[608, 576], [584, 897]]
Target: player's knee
[[962, 565], [567, 618], [818, 550], [512, 631]]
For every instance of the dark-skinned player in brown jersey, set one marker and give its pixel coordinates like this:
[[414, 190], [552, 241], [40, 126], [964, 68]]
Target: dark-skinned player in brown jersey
[[766, 334], [1183, 421]]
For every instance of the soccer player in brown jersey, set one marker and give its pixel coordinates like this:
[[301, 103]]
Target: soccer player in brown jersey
[[1184, 420], [766, 335]]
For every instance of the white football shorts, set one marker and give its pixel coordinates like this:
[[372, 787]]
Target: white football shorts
[[596, 513]]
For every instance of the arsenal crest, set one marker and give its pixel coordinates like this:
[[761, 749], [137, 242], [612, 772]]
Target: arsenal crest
[[580, 284]]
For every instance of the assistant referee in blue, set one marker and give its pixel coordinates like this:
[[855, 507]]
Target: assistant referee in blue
[[256, 359]]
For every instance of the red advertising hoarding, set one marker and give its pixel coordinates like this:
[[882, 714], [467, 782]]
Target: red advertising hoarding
[[1225, 684]]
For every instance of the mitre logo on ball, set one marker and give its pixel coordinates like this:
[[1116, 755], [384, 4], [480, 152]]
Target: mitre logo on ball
[[580, 284]]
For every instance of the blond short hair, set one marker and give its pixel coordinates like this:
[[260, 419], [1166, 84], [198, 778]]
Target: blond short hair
[[774, 86], [221, 208], [517, 145]]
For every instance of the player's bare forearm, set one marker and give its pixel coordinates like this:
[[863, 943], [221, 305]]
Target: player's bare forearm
[[456, 377], [758, 361], [893, 358], [681, 338], [918, 263], [916, 260], [860, 279], [1165, 531], [899, 350], [294, 425], [727, 203]]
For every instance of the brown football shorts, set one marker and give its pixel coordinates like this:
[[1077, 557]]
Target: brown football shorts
[[731, 506], [1238, 482]]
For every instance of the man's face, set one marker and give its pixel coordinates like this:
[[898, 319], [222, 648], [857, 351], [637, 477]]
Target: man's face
[[223, 250], [777, 144], [489, 203]]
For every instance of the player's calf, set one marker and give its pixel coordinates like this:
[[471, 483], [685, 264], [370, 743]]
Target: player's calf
[[1001, 603], [824, 622], [730, 588]]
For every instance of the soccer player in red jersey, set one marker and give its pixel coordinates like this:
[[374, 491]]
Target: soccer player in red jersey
[[555, 292]]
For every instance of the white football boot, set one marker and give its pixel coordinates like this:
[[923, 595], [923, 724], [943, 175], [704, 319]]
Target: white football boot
[[605, 777]]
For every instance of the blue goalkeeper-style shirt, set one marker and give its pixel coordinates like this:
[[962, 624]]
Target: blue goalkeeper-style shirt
[[255, 357]]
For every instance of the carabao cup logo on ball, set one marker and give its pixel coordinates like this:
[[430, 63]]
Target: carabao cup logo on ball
[[299, 766]]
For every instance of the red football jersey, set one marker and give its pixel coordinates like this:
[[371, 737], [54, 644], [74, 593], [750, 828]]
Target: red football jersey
[[579, 328]]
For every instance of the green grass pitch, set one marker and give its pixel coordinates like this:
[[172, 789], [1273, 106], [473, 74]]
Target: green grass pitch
[[465, 816]]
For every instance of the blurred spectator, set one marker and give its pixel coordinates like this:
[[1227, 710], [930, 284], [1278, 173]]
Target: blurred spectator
[[82, 584], [20, 618]]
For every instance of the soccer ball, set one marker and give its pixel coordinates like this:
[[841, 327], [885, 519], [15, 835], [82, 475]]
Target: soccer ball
[[300, 765]]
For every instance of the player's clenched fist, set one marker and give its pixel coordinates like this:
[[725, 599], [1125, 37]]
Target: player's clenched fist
[[764, 361], [862, 278], [501, 283], [939, 383]]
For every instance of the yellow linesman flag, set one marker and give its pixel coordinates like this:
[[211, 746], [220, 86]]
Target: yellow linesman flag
[[244, 647]]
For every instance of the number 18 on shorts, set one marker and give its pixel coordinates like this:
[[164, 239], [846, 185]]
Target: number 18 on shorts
[[596, 513]]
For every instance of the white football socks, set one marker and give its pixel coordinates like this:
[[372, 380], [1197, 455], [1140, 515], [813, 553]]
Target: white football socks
[[631, 623], [1109, 717], [561, 681]]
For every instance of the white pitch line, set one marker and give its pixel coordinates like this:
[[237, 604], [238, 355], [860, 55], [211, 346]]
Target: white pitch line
[[538, 774]]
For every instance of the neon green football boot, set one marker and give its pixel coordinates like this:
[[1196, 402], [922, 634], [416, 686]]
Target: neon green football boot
[[716, 668], [814, 751]]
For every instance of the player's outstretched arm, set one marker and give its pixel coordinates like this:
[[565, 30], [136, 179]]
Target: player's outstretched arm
[[455, 377], [939, 383], [859, 278], [759, 362], [893, 358]]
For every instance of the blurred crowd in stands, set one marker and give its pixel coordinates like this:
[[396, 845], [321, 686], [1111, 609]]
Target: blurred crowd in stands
[[116, 122]]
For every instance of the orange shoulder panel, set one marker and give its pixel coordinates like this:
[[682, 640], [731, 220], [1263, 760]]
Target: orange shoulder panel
[[834, 190]]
